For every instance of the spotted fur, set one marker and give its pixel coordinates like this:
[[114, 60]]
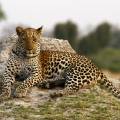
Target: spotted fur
[[38, 67]]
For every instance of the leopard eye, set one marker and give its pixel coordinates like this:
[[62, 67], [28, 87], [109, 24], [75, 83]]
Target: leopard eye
[[23, 37]]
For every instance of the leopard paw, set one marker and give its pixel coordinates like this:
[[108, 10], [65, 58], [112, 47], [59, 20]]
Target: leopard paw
[[4, 96], [19, 92]]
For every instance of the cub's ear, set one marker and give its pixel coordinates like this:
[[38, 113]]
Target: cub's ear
[[39, 30], [19, 30]]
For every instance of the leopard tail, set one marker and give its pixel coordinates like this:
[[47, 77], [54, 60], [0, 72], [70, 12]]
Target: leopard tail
[[105, 83]]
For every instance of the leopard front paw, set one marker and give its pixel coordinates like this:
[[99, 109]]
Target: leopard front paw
[[4, 96], [19, 92]]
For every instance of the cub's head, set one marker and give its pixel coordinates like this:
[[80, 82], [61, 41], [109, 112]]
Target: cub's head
[[29, 37]]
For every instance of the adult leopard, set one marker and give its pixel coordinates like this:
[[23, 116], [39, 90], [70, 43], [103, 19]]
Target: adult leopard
[[40, 66]]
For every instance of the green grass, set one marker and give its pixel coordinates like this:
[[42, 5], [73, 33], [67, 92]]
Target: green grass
[[85, 106]]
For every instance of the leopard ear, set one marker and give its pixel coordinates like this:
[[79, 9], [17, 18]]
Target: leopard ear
[[39, 30], [19, 30]]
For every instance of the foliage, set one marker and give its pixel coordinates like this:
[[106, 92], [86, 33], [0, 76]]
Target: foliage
[[115, 41], [67, 30], [108, 58], [96, 40], [2, 15]]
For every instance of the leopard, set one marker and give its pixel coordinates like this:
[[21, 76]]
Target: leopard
[[38, 67]]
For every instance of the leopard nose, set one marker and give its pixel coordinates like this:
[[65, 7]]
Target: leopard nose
[[29, 48]]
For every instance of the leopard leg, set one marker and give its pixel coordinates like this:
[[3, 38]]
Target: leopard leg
[[71, 83], [6, 92], [8, 80], [51, 84], [70, 88], [12, 68], [23, 88]]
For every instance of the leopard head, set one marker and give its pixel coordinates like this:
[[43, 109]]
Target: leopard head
[[28, 39]]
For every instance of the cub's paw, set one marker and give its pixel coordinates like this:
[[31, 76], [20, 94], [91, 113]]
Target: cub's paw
[[19, 92]]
